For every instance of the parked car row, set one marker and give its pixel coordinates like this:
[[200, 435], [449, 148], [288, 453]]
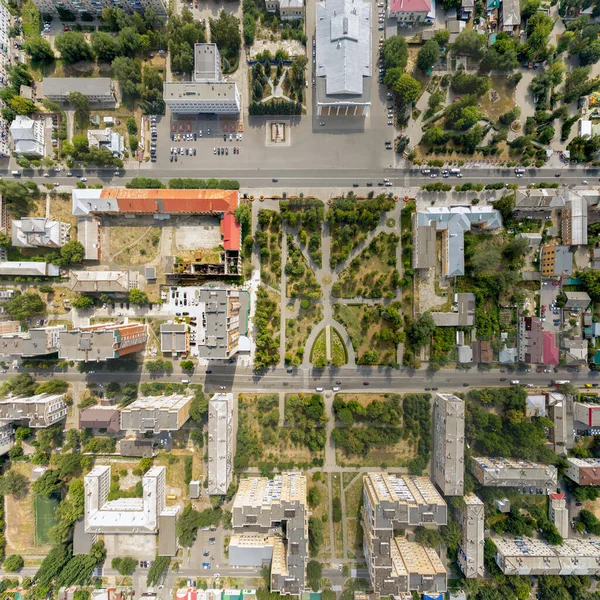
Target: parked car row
[[153, 138]]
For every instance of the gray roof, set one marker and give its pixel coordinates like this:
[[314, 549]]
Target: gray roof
[[343, 36], [30, 268], [88, 86], [86, 201], [511, 12], [219, 443], [82, 541], [455, 221], [137, 448], [507, 355], [206, 62], [173, 337], [462, 314], [167, 538], [100, 417], [563, 261], [540, 199]]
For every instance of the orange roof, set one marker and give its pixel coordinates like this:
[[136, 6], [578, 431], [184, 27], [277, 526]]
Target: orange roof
[[231, 232], [172, 201]]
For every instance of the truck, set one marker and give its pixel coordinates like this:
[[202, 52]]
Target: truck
[[514, 382], [558, 382], [16, 173]]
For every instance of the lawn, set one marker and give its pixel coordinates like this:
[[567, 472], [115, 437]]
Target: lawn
[[44, 509], [354, 494], [365, 325], [338, 535], [297, 331], [307, 214], [268, 238], [339, 353], [319, 350], [130, 246], [321, 511], [373, 273]]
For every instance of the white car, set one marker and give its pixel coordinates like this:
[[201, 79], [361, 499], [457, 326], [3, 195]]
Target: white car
[[84, 179], [56, 169]]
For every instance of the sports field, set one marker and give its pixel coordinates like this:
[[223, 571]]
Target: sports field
[[44, 517]]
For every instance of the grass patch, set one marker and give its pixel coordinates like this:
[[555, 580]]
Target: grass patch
[[369, 332], [44, 517], [267, 323], [321, 512], [354, 537], [373, 273], [297, 331], [268, 238], [338, 532], [319, 349], [301, 280], [339, 352], [32, 20], [134, 245]]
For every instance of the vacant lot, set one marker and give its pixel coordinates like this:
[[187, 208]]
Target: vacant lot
[[133, 245], [373, 273], [366, 327]]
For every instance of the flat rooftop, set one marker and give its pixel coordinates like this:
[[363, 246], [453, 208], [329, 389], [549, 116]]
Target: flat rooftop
[[205, 62], [192, 90]]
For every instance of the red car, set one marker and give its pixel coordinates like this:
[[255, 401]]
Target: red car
[[66, 28]]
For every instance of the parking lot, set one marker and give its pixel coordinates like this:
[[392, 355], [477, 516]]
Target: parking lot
[[553, 317]]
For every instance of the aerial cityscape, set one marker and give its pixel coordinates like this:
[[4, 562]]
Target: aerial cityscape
[[299, 299]]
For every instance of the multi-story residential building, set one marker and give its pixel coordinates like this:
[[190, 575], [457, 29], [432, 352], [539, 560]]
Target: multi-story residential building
[[471, 550], [558, 514], [38, 341], [448, 465], [524, 556], [577, 300], [127, 516], [289, 10], [258, 505], [556, 261], [156, 413], [7, 438], [343, 58], [42, 410], [587, 413], [512, 472], [107, 138], [102, 342], [100, 417], [39, 232], [409, 11], [560, 408], [534, 345], [452, 222], [28, 269], [98, 90], [220, 427], [584, 471], [391, 502], [94, 7], [28, 136]]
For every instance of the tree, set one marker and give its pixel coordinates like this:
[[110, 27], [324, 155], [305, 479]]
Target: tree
[[131, 125], [187, 365], [243, 215], [125, 565], [134, 143], [73, 47], [13, 563], [225, 32], [336, 508], [12, 482], [138, 297], [407, 88], [49, 484], [105, 46], [157, 570], [22, 106], [452, 535], [421, 331], [129, 41], [24, 306], [128, 72], [442, 37], [428, 55], [314, 497], [72, 252], [315, 535], [428, 537], [394, 52], [469, 42], [39, 49], [314, 573]]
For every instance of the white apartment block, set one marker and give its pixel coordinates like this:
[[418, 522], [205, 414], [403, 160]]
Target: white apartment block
[[28, 136], [94, 7], [471, 551], [188, 97], [7, 438], [125, 515], [220, 426], [42, 410], [448, 465], [559, 514]]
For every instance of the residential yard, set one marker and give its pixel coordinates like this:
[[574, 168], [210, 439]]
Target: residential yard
[[365, 326], [297, 330], [130, 246], [268, 238], [338, 535], [373, 273]]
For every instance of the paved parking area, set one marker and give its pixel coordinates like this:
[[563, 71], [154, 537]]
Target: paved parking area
[[548, 295]]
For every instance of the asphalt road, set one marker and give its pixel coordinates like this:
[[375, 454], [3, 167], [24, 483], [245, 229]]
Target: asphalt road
[[264, 178], [239, 379]]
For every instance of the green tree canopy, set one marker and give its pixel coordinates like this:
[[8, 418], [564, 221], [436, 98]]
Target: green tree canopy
[[13, 563], [39, 49], [138, 297], [73, 47], [72, 252], [24, 306], [394, 52], [428, 55]]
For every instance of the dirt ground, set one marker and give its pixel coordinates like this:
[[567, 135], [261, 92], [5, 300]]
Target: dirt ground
[[197, 232], [396, 455], [133, 245], [505, 99], [427, 292]]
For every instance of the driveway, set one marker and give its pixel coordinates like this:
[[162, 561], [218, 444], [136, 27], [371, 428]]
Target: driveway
[[548, 295]]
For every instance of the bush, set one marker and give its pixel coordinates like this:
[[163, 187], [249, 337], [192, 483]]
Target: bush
[[13, 563]]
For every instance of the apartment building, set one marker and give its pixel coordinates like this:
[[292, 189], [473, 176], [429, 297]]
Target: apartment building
[[156, 413], [289, 10], [560, 409], [391, 502], [512, 472], [583, 471], [220, 428], [9, 268], [103, 282], [127, 516], [207, 63], [28, 136], [102, 342], [471, 549], [7, 438], [42, 410], [448, 467], [38, 341], [525, 556], [174, 338], [587, 413], [260, 504], [94, 7], [558, 514], [39, 232], [556, 261], [5, 52], [97, 90]]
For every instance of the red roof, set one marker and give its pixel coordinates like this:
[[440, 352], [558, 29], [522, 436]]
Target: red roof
[[550, 349], [409, 6], [557, 496], [231, 232]]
